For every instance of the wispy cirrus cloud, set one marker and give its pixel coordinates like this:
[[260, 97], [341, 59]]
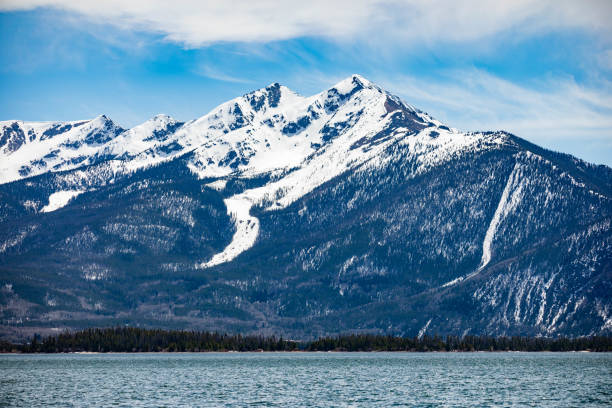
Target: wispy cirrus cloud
[[557, 112], [212, 72], [195, 23], [558, 107]]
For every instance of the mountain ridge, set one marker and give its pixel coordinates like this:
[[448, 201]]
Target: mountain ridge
[[219, 115]]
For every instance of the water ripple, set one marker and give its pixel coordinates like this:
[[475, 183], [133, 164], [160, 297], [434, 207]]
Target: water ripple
[[307, 380]]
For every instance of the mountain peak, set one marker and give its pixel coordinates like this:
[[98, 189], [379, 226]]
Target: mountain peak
[[103, 121], [269, 96], [353, 81]]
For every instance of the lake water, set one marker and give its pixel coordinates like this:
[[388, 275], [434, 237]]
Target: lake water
[[307, 379]]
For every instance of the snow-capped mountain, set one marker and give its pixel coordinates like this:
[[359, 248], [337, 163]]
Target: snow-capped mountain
[[346, 210], [30, 148], [266, 130]]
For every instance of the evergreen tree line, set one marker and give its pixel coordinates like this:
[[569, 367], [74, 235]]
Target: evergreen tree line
[[456, 343], [129, 339]]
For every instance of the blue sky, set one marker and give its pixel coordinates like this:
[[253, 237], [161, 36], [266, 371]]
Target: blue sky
[[542, 70]]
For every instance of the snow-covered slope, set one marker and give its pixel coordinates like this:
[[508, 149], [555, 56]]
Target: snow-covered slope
[[32, 148], [276, 129]]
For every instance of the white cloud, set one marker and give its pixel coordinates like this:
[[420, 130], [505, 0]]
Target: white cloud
[[196, 23], [556, 113], [560, 106]]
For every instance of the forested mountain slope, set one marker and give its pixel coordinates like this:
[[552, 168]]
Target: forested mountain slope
[[275, 213]]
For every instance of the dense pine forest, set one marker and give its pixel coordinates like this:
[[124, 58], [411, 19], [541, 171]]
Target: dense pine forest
[[146, 340]]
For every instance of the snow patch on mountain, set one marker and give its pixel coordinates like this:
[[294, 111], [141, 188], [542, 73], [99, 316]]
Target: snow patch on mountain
[[60, 199], [424, 329], [218, 185], [247, 229], [509, 200]]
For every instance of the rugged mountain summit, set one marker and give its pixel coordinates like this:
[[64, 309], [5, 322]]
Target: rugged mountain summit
[[348, 210]]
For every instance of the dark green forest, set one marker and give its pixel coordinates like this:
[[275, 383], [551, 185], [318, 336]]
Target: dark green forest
[[128, 339]]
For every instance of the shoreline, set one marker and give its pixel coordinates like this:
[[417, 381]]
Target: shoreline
[[137, 340], [308, 352]]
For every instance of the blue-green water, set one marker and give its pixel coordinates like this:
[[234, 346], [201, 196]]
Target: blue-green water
[[307, 379]]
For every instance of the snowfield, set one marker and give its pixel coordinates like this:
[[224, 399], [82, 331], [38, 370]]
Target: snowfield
[[60, 199]]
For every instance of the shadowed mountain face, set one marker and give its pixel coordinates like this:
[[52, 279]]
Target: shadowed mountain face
[[276, 213]]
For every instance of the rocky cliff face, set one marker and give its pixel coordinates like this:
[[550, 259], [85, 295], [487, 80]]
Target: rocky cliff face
[[276, 213]]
